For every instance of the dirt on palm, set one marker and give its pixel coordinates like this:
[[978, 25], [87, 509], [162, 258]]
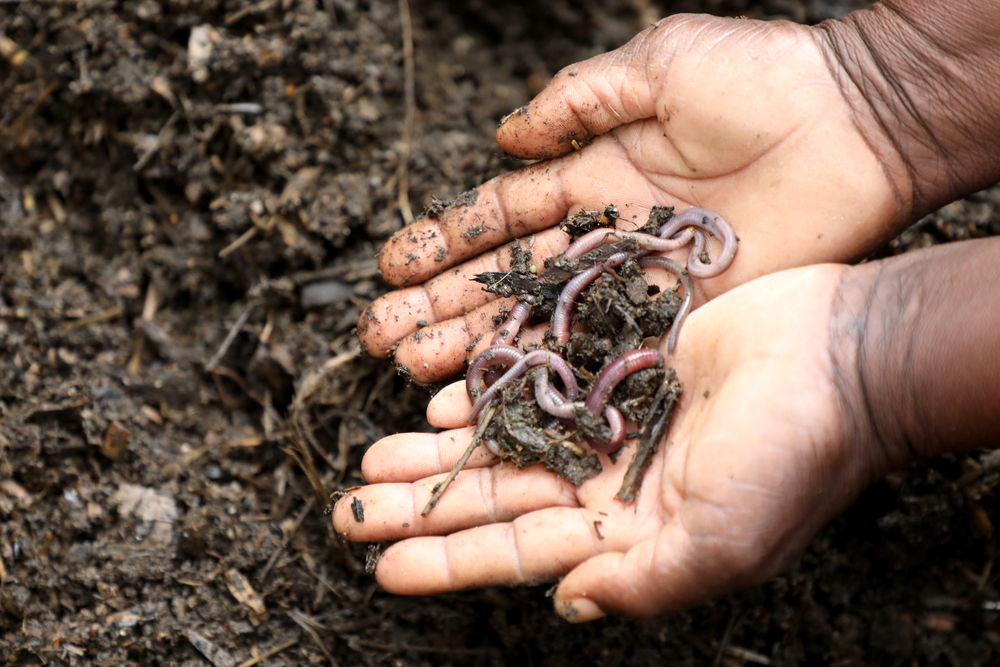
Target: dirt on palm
[[191, 197]]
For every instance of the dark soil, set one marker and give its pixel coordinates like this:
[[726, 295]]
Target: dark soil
[[185, 246]]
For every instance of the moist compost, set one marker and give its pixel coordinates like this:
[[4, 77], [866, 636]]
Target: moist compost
[[618, 312]]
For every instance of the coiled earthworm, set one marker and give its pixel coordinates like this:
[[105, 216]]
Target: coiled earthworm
[[609, 377], [515, 318], [562, 313], [715, 225], [534, 358], [549, 398], [496, 355], [607, 380], [598, 237], [682, 275], [616, 424]]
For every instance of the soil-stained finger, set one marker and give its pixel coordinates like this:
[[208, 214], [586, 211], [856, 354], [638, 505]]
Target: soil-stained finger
[[399, 313], [533, 548], [505, 208], [439, 351], [583, 100], [479, 496], [408, 457]]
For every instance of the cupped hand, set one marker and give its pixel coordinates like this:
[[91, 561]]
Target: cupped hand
[[741, 117], [756, 460]]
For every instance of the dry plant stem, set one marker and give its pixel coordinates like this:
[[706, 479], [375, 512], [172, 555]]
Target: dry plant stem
[[651, 434], [439, 489]]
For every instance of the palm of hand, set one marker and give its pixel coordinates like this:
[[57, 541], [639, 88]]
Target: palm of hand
[[741, 117], [754, 464]]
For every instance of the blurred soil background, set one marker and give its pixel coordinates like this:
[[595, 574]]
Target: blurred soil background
[[191, 198]]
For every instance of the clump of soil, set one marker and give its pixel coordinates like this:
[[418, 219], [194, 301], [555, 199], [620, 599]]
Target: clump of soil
[[619, 311]]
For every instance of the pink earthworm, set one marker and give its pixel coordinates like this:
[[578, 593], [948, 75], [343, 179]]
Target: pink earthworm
[[534, 358], [598, 237], [497, 355], [715, 225], [562, 313], [609, 377], [550, 399], [682, 275], [517, 316], [616, 423]]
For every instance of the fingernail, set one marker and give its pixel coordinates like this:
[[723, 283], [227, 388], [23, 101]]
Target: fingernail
[[580, 610]]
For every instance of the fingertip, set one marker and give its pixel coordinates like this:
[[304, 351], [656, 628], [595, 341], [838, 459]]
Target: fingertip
[[579, 610], [450, 407], [415, 566], [414, 253], [435, 352], [373, 463], [391, 317]]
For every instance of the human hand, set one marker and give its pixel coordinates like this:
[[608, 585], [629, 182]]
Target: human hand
[[760, 454], [741, 117]]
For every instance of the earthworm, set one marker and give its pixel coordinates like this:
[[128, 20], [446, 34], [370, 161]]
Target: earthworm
[[517, 316], [549, 398], [534, 358], [682, 275], [598, 237], [609, 377], [715, 225], [617, 438], [607, 380], [496, 355], [562, 313]]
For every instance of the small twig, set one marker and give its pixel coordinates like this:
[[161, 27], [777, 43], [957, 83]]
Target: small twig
[[269, 654], [652, 432], [108, 314], [148, 155], [485, 417], [409, 92], [242, 239], [228, 340]]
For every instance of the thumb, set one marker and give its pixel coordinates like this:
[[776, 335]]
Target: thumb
[[656, 576], [583, 100]]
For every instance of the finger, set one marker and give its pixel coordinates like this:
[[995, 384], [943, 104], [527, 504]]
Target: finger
[[479, 496], [441, 351], [408, 457], [655, 576], [533, 548], [502, 209], [583, 100], [450, 407], [517, 204], [448, 295]]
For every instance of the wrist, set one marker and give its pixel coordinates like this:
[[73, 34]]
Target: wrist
[[915, 344], [921, 79]]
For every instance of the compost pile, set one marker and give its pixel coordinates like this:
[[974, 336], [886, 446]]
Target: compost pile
[[191, 199]]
